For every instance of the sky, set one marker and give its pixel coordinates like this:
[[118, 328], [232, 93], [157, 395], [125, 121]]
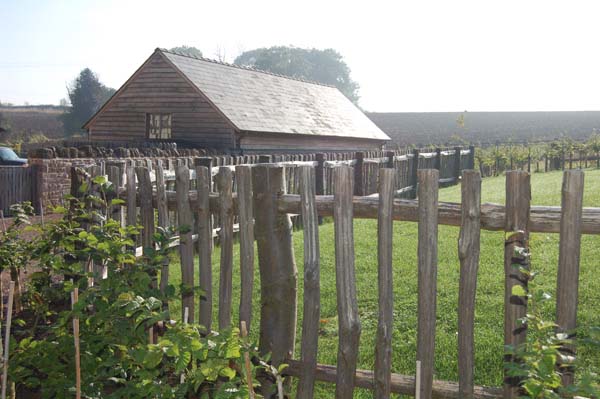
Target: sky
[[407, 56]]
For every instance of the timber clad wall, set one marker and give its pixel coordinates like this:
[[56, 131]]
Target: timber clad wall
[[158, 88]]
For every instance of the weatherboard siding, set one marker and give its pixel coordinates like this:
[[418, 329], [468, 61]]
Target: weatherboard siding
[[158, 88]]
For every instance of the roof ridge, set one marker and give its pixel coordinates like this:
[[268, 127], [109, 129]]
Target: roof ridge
[[243, 67]]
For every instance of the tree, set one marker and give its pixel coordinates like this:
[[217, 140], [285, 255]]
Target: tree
[[86, 95], [187, 50], [323, 66]]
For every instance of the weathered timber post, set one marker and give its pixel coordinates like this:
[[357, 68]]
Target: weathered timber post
[[225, 186], [437, 161], [146, 209], [320, 174], [345, 279], [518, 199], [456, 174], [320, 177], [312, 289], [383, 347], [427, 276], [390, 159], [277, 266], [414, 167], [186, 245], [359, 177], [471, 164], [243, 176], [264, 159], [207, 162], [568, 261], [468, 253], [205, 241]]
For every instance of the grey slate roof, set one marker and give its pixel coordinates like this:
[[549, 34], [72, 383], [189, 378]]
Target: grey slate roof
[[257, 101]]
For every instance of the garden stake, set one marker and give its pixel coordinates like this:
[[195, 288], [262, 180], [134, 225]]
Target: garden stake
[[247, 361], [74, 300], [11, 293], [418, 381]]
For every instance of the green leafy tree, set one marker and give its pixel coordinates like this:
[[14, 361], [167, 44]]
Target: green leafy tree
[[86, 94], [188, 50], [323, 66]]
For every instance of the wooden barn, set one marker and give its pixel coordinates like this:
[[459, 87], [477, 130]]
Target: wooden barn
[[203, 103]]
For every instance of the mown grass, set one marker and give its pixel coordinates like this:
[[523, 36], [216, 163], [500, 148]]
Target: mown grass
[[489, 305]]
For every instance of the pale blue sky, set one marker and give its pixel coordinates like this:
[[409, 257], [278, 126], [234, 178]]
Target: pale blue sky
[[407, 55]]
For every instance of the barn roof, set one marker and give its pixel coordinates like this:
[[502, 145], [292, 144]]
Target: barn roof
[[258, 101]]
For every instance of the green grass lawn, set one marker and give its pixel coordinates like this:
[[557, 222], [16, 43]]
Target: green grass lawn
[[489, 306]]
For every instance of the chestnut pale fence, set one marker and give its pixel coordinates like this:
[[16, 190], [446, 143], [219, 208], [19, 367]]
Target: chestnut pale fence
[[261, 208]]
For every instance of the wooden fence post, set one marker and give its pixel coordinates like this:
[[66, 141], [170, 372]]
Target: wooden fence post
[[243, 176], [359, 178], [568, 259], [457, 158], [471, 157], [468, 253], [438, 159], [186, 245], [264, 159], [427, 276], [310, 322], [383, 347], [320, 177], [277, 265], [163, 221], [413, 180], [348, 321], [320, 174], [146, 208], [518, 199], [390, 159], [131, 197], [205, 240], [225, 186]]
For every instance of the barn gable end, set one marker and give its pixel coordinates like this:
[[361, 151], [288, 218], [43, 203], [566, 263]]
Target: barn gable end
[[158, 88]]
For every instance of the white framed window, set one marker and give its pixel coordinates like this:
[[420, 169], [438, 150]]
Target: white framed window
[[158, 126]]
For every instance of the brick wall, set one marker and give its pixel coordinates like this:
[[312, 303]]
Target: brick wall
[[54, 178]]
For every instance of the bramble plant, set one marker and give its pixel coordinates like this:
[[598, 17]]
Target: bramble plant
[[541, 360], [119, 302]]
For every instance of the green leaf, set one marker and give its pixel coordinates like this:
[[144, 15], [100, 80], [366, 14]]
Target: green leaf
[[518, 290], [152, 359], [117, 201], [227, 372], [99, 180]]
